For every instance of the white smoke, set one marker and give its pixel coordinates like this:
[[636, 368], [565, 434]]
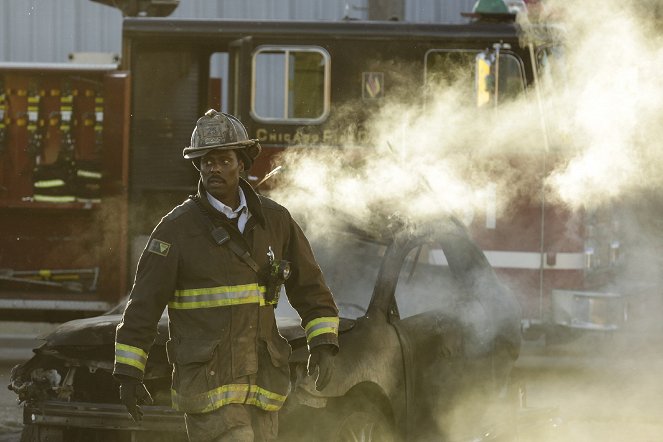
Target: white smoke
[[601, 106]]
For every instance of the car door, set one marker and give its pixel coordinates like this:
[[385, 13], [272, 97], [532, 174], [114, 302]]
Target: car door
[[450, 317]]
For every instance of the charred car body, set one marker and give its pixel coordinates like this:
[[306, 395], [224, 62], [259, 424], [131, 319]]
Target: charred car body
[[428, 339]]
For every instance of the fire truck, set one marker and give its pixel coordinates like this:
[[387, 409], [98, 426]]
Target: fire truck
[[91, 154]]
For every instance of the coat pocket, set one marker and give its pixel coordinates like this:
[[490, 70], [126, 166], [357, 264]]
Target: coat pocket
[[194, 365]]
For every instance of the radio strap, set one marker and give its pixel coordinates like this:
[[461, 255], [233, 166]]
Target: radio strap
[[221, 235]]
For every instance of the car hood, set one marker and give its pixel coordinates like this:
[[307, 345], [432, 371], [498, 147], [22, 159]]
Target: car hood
[[100, 330]]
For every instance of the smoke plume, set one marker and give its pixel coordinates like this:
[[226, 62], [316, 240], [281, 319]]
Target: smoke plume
[[589, 137]]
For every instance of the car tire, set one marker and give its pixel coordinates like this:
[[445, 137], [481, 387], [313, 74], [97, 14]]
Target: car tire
[[352, 420]]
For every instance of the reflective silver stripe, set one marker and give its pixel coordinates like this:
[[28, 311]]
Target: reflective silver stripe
[[219, 296], [228, 394], [320, 326], [129, 355], [265, 399]]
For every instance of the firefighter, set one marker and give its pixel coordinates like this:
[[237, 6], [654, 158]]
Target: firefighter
[[218, 262]]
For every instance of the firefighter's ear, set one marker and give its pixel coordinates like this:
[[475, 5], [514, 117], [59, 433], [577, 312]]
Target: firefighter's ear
[[241, 160]]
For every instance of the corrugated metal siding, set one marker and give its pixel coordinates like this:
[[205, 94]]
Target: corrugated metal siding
[[265, 9], [437, 10], [49, 30]]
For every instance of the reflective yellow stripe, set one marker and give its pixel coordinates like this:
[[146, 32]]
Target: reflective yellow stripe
[[134, 356], [54, 199], [88, 174], [221, 296], [228, 394], [45, 184], [320, 326]]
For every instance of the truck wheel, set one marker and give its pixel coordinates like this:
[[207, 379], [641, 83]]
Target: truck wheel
[[360, 421]]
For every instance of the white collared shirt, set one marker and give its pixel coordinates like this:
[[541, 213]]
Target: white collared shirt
[[242, 210]]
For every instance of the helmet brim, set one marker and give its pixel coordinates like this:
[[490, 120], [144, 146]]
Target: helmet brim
[[190, 152]]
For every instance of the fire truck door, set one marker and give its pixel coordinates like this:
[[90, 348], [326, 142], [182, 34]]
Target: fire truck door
[[239, 81]]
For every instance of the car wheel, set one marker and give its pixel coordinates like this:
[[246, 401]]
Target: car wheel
[[360, 422]]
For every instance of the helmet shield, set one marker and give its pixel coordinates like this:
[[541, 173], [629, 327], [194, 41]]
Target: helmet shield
[[218, 130]]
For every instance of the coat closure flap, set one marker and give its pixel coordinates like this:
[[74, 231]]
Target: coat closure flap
[[191, 351]]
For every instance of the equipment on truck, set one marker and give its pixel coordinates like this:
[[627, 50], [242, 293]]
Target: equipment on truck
[[75, 280], [61, 176]]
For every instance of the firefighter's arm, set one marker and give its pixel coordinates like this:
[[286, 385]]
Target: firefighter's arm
[[153, 287], [309, 294]]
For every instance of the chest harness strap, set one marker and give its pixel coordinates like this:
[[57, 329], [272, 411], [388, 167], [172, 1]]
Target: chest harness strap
[[221, 235]]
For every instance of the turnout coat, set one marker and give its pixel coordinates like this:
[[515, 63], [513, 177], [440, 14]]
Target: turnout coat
[[223, 340]]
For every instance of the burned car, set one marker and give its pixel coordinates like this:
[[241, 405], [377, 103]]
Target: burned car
[[428, 337]]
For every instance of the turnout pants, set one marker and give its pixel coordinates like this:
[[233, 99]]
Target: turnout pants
[[233, 423]]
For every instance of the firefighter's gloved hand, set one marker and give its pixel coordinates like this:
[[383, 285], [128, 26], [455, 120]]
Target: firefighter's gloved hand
[[322, 358], [133, 394]]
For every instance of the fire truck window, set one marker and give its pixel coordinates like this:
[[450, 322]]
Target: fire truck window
[[458, 69], [511, 79], [450, 69], [290, 84], [217, 88], [425, 283]]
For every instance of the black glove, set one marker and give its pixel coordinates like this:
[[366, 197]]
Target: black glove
[[322, 358], [133, 394]]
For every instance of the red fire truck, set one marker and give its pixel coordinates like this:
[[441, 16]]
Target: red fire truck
[[91, 156]]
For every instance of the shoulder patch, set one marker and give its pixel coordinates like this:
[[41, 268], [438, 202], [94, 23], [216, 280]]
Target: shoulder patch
[[159, 247]]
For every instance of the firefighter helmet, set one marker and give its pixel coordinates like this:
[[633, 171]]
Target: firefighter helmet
[[218, 130]]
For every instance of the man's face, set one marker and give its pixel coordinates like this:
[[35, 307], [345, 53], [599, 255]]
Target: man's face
[[220, 171]]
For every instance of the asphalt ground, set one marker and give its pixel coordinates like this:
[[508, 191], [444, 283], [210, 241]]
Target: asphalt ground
[[601, 391], [597, 389]]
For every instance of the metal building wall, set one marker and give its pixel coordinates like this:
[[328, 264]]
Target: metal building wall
[[442, 11], [49, 30]]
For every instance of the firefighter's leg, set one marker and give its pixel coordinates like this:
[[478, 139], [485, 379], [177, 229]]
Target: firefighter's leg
[[237, 434], [265, 424], [230, 423]]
